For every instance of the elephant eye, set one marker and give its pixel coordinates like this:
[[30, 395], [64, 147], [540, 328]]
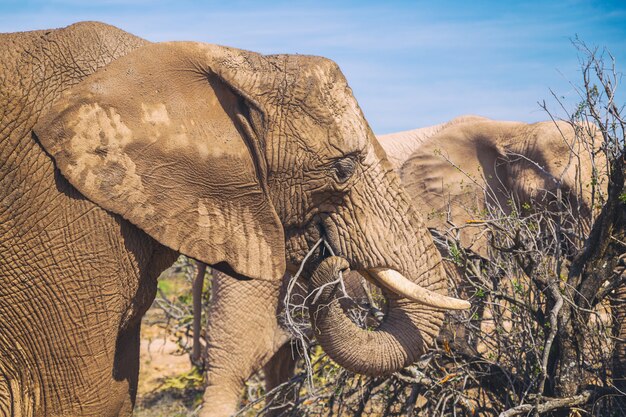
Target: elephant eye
[[344, 168]]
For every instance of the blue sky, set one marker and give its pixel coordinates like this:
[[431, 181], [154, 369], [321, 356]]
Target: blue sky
[[410, 63]]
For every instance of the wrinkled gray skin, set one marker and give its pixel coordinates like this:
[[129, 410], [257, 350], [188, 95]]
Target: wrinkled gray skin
[[116, 155], [245, 335]]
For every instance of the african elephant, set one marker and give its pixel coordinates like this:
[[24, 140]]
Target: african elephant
[[243, 332], [510, 166], [451, 171], [118, 154]]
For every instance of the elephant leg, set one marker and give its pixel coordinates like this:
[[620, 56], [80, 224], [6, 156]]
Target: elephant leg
[[243, 334], [278, 370]]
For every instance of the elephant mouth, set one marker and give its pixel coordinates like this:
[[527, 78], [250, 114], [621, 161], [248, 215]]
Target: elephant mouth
[[382, 277]]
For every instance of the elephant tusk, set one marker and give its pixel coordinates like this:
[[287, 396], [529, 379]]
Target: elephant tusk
[[396, 282]]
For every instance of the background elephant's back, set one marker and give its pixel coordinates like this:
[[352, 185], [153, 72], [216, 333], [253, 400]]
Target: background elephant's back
[[400, 145]]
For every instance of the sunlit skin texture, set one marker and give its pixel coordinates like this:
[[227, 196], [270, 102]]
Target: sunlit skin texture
[[118, 154], [246, 336], [75, 279]]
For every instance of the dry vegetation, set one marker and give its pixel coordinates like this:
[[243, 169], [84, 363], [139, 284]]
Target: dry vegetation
[[540, 337], [169, 384]]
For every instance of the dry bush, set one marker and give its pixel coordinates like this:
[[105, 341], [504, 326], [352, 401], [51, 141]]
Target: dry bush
[[177, 306], [173, 313]]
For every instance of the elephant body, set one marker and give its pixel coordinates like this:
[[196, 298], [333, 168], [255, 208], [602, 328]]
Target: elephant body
[[89, 274], [117, 155], [510, 163]]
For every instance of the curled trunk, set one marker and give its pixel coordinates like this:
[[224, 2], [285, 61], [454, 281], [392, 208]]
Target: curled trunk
[[396, 343]]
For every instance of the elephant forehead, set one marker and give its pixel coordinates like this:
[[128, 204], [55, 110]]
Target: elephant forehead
[[326, 130], [347, 131], [314, 88]]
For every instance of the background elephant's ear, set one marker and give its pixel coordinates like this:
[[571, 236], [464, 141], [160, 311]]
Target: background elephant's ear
[[163, 140], [452, 175]]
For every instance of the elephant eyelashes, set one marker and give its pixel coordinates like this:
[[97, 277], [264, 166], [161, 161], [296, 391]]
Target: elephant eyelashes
[[344, 168]]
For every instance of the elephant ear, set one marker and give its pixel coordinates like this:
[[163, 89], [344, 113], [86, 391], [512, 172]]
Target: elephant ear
[[453, 174], [167, 137]]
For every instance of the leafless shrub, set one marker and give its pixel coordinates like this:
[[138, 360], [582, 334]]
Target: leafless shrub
[[176, 306]]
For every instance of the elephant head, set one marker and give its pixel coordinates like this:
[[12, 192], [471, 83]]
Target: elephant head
[[454, 173], [244, 162]]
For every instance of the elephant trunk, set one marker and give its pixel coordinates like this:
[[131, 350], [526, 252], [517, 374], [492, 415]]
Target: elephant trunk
[[396, 343]]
